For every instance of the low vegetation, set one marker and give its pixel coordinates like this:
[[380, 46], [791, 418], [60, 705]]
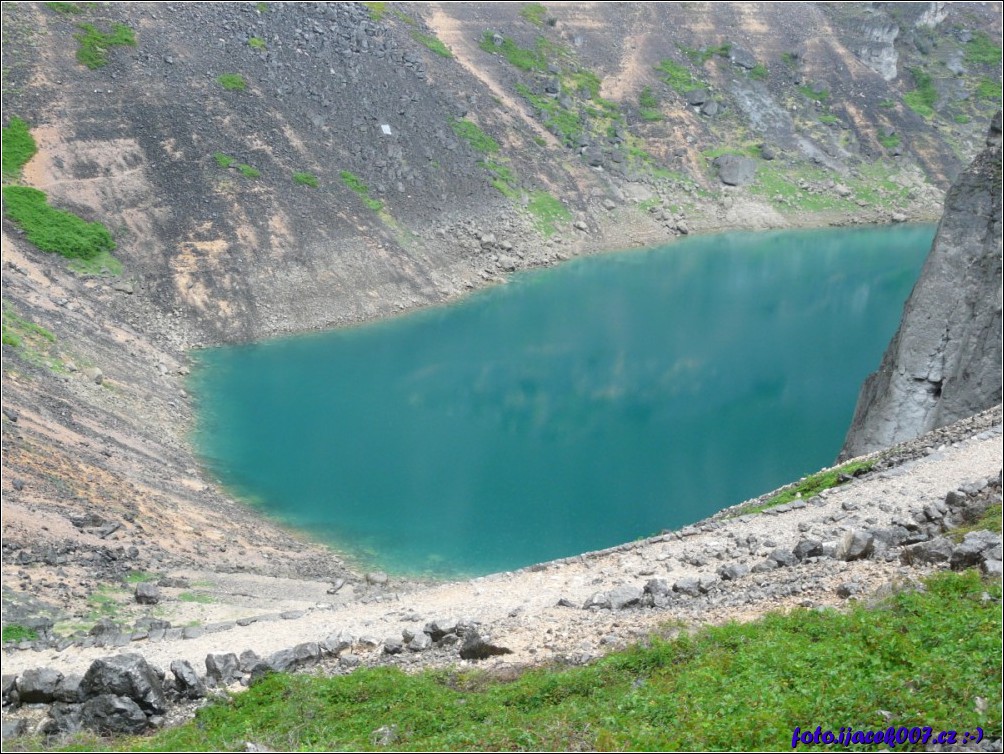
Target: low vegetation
[[248, 171], [473, 135], [503, 179], [812, 485], [703, 55], [678, 77], [520, 57], [65, 9], [256, 43], [223, 160], [758, 72], [52, 229], [94, 44], [18, 332], [201, 598], [818, 95], [18, 147], [16, 632], [923, 98], [562, 122], [232, 82], [305, 179], [355, 183], [981, 50], [376, 10], [547, 212], [648, 105], [889, 141], [919, 659], [535, 13], [432, 43], [988, 89]]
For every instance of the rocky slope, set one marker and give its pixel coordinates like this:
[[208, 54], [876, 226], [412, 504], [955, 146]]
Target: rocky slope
[[219, 243], [944, 362]]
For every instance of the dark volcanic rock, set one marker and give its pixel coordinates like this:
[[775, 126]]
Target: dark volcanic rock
[[735, 170], [476, 648], [187, 681], [107, 713], [127, 675], [38, 685], [944, 363], [223, 669], [855, 545]]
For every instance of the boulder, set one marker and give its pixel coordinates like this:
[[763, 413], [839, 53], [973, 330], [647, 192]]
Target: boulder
[[420, 642], [808, 548], [974, 548], [697, 97], [855, 545], [147, 593], [657, 587], [742, 57], [223, 669], [688, 585], [440, 627], [38, 685], [624, 596], [599, 600], [125, 675], [933, 551], [107, 713], [735, 170], [784, 557], [187, 681], [733, 571], [476, 648]]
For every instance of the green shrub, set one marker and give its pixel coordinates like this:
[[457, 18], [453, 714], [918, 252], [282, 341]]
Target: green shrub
[[249, 172], [988, 89], [95, 44], [758, 72], [66, 9], [223, 160], [677, 76], [18, 146], [522, 58], [702, 56], [563, 123], [829, 119], [15, 632], [547, 212], [503, 179], [355, 183], [377, 10], [889, 141], [256, 43], [473, 135], [232, 82], [922, 99], [535, 13], [54, 230], [981, 50], [305, 179], [822, 95], [962, 119], [432, 43]]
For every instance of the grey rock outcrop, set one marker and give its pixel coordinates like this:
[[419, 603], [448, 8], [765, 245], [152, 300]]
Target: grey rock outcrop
[[944, 363], [735, 170]]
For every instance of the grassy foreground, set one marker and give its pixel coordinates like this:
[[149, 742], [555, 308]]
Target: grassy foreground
[[925, 658]]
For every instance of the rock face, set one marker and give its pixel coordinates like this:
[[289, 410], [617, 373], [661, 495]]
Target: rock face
[[944, 363]]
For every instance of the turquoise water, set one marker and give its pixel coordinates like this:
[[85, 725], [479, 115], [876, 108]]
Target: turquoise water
[[573, 409]]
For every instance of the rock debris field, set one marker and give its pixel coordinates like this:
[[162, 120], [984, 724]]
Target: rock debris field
[[858, 540]]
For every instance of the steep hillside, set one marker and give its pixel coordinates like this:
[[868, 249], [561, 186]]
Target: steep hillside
[[267, 168], [944, 363]]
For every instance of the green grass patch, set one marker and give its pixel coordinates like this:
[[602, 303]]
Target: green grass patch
[[758, 72], [981, 50], [94, 44], [248, 171], [256, 43], [305, 179], [962, 119], [223, 160], [677, 76], [547, 212], [355, 183], [232, 82], [887, 104], [563, 123], [889, 141], [65, 9], [102, 604], [522, 58], [812, 485], [261, 7], [702, 56], [829, 119], [918, 659], [140, 577], [473, 135], [535, 13], [990, 520], [32, 340], [16, 632], [790, 59], [503, 179], [376, 10], [200, 598], [989, 89], [432, 42], [102, 263], [923, 98], [822, 95], [54, 230], [18, 146]]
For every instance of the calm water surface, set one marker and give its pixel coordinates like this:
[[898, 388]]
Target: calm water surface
[[573, 409]]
